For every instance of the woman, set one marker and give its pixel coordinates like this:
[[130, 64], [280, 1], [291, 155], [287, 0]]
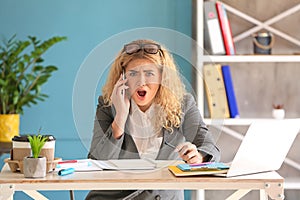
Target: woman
[[145, 112]]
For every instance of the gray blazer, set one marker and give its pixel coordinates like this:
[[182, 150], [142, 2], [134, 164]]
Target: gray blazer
[[105, 147]]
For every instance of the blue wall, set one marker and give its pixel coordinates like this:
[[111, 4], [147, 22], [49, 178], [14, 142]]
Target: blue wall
[[86, 24]]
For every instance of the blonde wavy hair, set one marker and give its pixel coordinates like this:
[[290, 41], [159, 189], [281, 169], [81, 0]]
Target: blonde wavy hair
[[170, 93]]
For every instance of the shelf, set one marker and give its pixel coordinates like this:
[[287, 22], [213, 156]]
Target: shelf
[[235, 122], [292, 183], [251, 58]]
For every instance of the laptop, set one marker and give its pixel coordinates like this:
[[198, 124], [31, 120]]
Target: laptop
[[263, 149], [264, 146]]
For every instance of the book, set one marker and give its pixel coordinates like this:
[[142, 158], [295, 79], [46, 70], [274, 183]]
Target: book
[[213, 40], [215, 91], [225, 29], [230, 94]]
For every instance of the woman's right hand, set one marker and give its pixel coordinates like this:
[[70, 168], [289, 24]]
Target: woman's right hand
[[121, 104]]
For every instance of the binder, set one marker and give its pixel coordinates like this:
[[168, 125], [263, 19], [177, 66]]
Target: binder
[[231, 98], [225, 29], [215, 91], [213, 41]]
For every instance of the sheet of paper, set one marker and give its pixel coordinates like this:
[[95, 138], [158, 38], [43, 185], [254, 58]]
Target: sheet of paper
[[104, 164], [133, 164], [125, 164], [81, 165]]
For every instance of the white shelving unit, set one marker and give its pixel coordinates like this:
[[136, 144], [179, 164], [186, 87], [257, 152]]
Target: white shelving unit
[[202, 59]]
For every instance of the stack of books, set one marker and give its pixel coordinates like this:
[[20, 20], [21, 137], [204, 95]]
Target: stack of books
[[208, 168]]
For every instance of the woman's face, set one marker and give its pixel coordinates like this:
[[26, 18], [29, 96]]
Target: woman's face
[[144, 78]]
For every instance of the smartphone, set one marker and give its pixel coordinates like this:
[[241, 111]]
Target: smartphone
[[123, 78], [123, 73]]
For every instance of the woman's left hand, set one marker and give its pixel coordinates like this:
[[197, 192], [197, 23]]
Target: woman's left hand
[[189, 153]]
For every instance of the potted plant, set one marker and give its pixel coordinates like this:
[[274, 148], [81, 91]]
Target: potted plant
[[35, 166], [278, 111], [22, 74]]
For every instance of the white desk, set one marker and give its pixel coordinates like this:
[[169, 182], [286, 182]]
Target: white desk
[[270, 183]]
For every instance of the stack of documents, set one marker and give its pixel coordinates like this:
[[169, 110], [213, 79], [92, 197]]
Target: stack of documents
[[82, 165], [209, 168]]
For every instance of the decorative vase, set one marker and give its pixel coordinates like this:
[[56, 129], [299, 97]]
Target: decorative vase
[[34, 167], [278, 113], [9, 126]]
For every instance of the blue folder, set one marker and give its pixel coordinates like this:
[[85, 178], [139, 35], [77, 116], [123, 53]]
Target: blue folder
[[231, 99]]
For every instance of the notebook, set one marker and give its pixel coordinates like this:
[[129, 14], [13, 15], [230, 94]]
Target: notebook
[[263, 148]]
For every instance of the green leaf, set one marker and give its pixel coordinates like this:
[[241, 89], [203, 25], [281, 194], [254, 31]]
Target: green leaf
[[3, 83], [16, 97], [37, 68], [26, 58], [51, 68], [39, 60], [21, 66], [30, 77]]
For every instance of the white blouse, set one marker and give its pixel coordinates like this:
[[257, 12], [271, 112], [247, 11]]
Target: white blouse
[[141, 128]]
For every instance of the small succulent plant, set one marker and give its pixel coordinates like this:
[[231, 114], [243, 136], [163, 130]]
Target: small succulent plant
[[278, 106], [36, 143]]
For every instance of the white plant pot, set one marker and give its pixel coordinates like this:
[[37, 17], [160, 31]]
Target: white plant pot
[[34, 167], [278, 113]]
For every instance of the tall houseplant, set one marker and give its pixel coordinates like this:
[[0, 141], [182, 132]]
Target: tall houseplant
[[22, 73]]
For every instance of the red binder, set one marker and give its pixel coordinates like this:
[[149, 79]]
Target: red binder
[[225, 29]]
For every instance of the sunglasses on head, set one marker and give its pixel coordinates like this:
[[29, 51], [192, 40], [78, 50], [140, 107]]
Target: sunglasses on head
[[150, 48]]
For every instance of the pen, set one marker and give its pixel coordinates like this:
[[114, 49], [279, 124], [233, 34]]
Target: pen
[[170, 145], [67, 171], [201, 164], [67, 161]]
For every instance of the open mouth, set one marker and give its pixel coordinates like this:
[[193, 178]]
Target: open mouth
[[142, 93]]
